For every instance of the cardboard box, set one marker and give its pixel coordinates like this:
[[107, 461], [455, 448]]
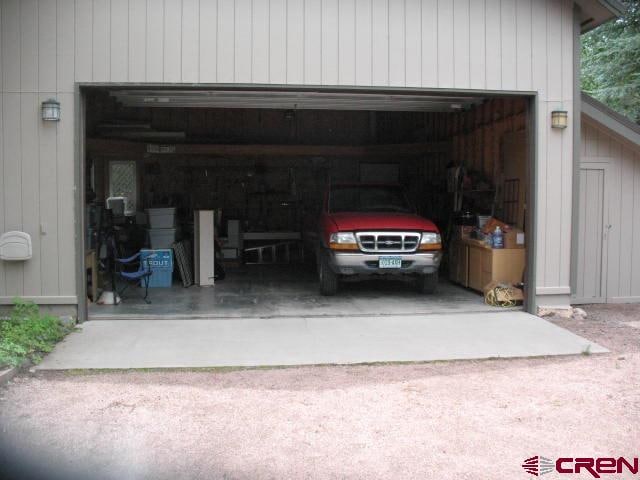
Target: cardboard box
[[462, 231], [514, 238]]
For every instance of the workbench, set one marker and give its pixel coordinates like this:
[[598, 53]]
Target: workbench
[[474, 264]]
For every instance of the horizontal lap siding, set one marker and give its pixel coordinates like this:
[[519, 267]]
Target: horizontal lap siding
[[48, 45], [623, 185]]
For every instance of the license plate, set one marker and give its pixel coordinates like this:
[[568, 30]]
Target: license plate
[[390, 262]]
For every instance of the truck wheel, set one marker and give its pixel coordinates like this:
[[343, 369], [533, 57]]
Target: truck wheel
[[328, 279], [428, 283]]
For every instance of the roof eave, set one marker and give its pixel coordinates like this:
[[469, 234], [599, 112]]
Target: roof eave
[[596, 12], [610, 119]]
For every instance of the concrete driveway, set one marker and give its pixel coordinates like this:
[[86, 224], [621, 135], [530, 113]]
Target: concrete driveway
[[312, 341], [444, 420]]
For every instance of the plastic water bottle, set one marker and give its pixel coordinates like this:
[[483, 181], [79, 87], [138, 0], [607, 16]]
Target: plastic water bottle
[[498, 238]]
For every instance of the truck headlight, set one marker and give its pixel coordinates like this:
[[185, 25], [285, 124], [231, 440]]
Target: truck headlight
[[430, 241], [343, 241]]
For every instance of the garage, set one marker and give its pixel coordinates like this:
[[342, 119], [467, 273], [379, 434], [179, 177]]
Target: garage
[[235, 180], [198, 98]]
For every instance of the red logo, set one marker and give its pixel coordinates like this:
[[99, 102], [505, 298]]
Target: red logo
[[538, 465]]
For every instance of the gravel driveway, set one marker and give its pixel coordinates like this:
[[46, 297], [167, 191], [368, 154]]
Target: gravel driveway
[[454, 420]]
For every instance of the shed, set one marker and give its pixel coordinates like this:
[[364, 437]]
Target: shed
[[607, 253]]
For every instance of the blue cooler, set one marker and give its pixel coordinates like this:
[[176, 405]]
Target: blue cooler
[[161, 263]]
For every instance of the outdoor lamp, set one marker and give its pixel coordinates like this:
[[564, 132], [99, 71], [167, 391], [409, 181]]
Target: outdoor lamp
[[559, 119], [51, 110]]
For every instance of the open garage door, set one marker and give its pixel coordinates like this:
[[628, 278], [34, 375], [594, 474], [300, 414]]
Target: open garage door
[[262, 161]]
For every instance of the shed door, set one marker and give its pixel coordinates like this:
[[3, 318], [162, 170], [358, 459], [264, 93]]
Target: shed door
[[593, 231]]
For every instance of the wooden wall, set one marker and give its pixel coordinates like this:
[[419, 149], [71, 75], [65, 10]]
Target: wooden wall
[[621, 269], [47, 46]]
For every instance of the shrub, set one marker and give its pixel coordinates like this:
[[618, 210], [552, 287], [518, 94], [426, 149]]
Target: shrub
[[27, 334]]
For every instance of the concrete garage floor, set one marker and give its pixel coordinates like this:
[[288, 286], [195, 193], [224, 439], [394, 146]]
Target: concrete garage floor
[[289, 290], [274, 316]]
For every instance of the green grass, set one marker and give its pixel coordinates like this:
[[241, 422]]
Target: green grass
[[27, 334]]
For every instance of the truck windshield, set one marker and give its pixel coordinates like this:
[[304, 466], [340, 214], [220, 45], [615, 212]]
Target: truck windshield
[[368, 198]]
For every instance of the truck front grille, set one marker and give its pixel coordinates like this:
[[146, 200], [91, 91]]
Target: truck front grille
[[388, 242]]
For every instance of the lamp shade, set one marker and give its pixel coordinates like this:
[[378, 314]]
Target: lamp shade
[[51, 110], [559, 119]]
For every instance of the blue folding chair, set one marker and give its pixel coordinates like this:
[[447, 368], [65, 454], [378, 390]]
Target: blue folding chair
[[139, 277]]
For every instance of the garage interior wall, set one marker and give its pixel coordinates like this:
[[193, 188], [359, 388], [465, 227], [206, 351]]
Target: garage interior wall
[[621, 269], [49, 46]]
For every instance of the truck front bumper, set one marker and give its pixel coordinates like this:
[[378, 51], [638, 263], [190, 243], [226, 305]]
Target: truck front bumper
[[356, 263]]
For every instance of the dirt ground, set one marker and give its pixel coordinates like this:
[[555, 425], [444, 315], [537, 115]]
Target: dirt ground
[[454, 420]]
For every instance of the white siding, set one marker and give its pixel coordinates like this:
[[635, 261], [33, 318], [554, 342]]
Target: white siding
[[622, 276], [521, 45]]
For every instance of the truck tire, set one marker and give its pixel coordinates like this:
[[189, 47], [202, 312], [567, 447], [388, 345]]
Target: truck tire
[[428, 283], [328, 279]]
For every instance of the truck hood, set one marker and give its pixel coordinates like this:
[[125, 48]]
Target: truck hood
[[354, 221]]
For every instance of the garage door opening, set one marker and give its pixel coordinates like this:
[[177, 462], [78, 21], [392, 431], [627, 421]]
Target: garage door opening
[[160, 163]]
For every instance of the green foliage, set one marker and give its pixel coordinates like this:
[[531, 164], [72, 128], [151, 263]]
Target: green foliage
[[26, 334], [611, 62]]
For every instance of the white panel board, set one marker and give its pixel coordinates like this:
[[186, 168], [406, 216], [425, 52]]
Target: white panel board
[[30, 187], [155, 41], [243, 40], [47, 46], [397, 48], [101, 41], [12, 183], [477, 53], [493, 45], [312, 42], [65, 45], [137, 70], [413, 43], [48, 208], [226, 41], [66, 201], [363, 40], [29, 45], [509, 50], [429, 43], [347, 42], [380, 42], [461, 45], [330, 43], [10, 45], [208, 41], [278, 41], [295, 42], [190, 40], [446, 67], [119, 40], [524, 51], [172, 62]]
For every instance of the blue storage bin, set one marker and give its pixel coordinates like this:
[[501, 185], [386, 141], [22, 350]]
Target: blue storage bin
[[161, 263]]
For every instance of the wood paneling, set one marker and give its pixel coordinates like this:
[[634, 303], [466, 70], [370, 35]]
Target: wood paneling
[[516, 44], [190, 41], [611, 182], [497, 44]]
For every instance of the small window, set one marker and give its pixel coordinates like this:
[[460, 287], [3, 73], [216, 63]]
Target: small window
[[123, 182]]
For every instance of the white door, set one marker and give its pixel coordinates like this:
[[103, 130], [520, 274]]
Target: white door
[[593, 232]]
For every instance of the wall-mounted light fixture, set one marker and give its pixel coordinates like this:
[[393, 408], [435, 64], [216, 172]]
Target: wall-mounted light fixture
[[559, 119], [51, 110]]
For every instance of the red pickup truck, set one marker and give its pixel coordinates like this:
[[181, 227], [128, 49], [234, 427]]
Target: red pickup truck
[[368, 229]]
